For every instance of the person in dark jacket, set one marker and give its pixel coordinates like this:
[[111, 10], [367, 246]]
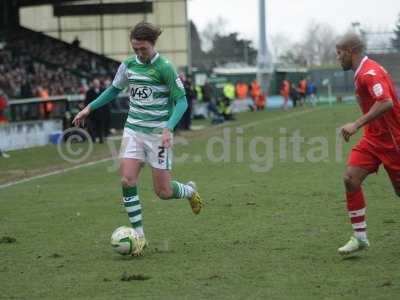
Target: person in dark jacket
[[186, 120], [294, 94], [98, 118], [208, 97]]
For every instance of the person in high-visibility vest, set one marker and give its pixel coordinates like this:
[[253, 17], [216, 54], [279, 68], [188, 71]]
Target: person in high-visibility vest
[[199, 93], [225, 108], [229, 91]]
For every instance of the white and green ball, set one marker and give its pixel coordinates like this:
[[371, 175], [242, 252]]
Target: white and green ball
[[124, 240]]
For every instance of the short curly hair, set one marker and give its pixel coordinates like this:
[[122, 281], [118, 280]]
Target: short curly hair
[[145, 31]]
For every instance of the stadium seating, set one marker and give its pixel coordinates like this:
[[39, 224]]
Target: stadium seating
[[31, 61]]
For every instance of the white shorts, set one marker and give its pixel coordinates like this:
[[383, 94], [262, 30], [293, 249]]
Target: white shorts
[[146, 147]]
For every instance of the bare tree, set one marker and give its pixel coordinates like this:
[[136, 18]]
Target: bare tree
[[316, 48], [396, 40], [213, 28], [280, 43]]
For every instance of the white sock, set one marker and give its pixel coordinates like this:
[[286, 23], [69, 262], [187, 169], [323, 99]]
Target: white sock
[[361, 235], [183, 190], [139, 230]]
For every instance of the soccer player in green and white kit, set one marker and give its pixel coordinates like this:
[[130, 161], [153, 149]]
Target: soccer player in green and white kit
[[156, 103]]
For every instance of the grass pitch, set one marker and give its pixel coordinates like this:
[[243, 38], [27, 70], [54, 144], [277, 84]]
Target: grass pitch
[[273, 219]]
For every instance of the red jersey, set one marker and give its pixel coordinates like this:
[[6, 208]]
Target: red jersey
[[373, 83]]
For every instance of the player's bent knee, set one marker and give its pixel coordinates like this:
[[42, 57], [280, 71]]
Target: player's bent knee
[[347, 179], [350, 182]]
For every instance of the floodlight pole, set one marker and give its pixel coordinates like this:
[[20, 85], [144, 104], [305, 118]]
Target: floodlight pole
[[264, 65], [188, 40]]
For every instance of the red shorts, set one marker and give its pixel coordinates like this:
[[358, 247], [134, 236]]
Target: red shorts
[[369, 157]]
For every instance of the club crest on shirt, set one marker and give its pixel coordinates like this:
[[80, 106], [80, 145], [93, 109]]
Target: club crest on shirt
[[378, 89]]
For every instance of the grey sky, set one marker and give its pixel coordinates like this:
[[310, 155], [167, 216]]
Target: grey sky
[[291, 17]]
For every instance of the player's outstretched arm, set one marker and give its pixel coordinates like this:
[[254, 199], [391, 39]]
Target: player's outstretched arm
[[377, 110], [81, 116], [105, 97]]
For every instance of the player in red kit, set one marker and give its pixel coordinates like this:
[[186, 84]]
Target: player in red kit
[[380, 143]]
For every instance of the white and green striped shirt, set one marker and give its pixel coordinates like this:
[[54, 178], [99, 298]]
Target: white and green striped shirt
[[153, 90]]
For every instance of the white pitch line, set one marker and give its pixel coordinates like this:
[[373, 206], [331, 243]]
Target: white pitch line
[[12, 183], [283, 117], [2, 186]]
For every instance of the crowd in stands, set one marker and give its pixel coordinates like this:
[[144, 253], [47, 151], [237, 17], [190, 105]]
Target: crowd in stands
[[22, 77], [33, 64]]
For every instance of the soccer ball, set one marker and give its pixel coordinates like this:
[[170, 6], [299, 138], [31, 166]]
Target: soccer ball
[[124, 240]]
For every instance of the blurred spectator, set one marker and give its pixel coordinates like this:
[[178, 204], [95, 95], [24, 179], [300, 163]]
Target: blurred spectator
[[47, 106], [302, 89], [285, 90], [186, 120], [207, 94], [3, 106], [294, 94], [312, 93], [260, 102], [98, 118], [3, 118], [83, 88], [255, 90], [229, 91], [199, 93], [42, 93], [242, 90], [26, 89], [225, 110], [76, 42]]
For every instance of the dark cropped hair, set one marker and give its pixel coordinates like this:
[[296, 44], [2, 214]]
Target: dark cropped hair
[[145, 31]]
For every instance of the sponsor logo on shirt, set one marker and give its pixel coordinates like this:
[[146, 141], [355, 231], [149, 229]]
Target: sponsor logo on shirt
[[378, 89], [141, 92]]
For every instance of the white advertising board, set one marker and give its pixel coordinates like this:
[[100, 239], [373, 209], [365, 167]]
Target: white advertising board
[[27, 134]]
